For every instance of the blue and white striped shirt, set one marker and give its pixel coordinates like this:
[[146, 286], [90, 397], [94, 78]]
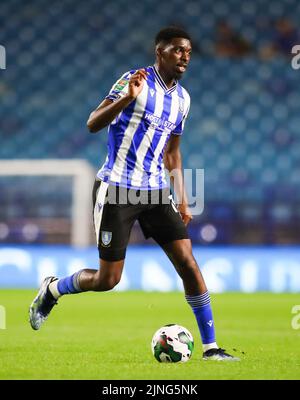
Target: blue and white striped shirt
[[138, 136]]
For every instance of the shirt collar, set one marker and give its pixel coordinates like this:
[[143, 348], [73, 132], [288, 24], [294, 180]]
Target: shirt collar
[[161, 81]]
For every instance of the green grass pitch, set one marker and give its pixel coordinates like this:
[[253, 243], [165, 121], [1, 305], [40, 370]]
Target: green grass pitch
[[107, 336]]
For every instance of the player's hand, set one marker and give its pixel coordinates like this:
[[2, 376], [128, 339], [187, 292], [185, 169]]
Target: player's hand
[[136, 83], [185, 213]]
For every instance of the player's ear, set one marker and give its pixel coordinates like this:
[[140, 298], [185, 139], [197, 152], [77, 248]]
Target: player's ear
[[158, 51]]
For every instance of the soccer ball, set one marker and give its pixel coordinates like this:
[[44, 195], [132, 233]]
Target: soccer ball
[[172, 343]]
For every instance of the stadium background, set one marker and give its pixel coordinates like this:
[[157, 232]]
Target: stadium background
[[243, 130]]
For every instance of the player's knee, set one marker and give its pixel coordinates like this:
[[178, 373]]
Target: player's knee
[[192, 266], [187, 266], [107, 283], [187, 262]]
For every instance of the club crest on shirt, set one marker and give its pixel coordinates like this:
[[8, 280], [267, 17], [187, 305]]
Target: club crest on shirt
[[152, 92], [106, 237], [181, 105]]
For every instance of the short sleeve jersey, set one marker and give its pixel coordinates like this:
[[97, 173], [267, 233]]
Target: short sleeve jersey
[[137, 137]]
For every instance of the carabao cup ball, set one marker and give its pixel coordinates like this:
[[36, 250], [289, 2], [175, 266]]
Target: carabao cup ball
[[172, 343]]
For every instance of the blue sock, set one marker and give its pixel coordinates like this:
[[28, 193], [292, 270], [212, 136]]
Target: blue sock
[[70, 284], [202, 309]]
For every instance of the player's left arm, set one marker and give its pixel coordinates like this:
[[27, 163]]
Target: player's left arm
[[173, 163]]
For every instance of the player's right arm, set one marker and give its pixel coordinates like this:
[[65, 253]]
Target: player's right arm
[[107, 111]]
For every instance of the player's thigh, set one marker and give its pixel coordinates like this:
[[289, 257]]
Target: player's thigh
[[163, 223], [114, 231], [112, 223]]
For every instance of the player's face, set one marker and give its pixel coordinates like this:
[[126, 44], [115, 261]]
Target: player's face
[[175, 56]]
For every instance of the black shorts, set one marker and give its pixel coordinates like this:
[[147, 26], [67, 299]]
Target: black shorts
[[116, 209]]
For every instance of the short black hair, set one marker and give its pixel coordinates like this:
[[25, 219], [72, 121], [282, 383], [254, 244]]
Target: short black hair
[[171, 32]]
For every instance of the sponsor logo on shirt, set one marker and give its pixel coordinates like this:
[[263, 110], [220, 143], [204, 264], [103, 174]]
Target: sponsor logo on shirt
[[158, 122]]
